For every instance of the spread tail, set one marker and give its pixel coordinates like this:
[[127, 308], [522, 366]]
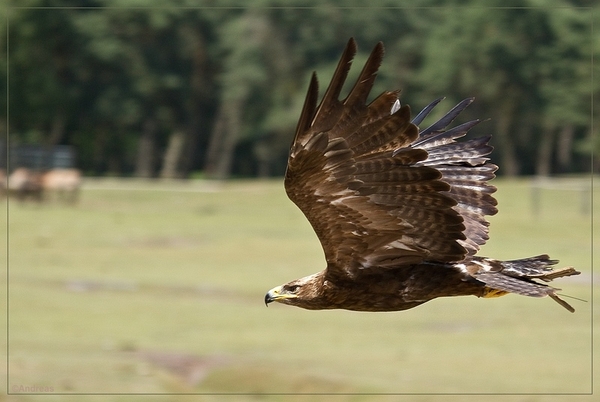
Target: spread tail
[[519, 276]]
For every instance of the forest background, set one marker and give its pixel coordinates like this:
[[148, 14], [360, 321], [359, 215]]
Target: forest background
[[213, 89]]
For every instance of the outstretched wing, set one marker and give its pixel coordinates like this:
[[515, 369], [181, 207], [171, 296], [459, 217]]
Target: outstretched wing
[[378, 193], [463, 166]]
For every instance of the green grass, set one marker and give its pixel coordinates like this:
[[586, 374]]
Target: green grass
[[140, 269]]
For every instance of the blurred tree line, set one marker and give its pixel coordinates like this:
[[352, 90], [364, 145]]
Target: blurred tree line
[[217, 86]]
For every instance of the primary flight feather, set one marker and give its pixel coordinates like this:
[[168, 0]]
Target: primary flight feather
[[399, 211]]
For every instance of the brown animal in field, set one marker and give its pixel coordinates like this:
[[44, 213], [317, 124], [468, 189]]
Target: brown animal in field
[[25, 183], [64, 183]]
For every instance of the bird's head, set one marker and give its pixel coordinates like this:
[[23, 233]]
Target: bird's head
[[304, 292]]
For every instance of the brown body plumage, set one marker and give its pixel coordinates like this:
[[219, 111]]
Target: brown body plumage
[[400, 212]]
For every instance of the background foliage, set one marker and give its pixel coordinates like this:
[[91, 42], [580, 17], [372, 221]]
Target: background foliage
[[167, 89]]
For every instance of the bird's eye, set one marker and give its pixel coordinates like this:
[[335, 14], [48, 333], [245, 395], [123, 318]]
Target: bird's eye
[[292, 288]]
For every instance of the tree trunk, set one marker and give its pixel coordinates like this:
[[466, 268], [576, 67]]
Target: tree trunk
[[565, 147], [144, 166], [509, 162], [543, 166], [263, 156], [200, 100], [173, 155], [99, 149], [55, 135], [215, 144], [223, 140], [57, 130]]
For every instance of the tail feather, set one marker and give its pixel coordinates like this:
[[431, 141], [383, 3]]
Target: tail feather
[[518, 276], [561, 302]]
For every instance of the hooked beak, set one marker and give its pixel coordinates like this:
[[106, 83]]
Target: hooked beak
[[276, 294]]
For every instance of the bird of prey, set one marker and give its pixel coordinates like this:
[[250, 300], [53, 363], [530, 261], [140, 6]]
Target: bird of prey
[[399, 211]]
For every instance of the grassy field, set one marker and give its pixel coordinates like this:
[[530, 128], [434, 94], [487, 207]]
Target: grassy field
[[154, 287]]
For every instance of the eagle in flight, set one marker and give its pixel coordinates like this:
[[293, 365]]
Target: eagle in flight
[[399, 211]]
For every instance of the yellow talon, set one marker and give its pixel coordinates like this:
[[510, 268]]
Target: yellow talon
[[488, 293]]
